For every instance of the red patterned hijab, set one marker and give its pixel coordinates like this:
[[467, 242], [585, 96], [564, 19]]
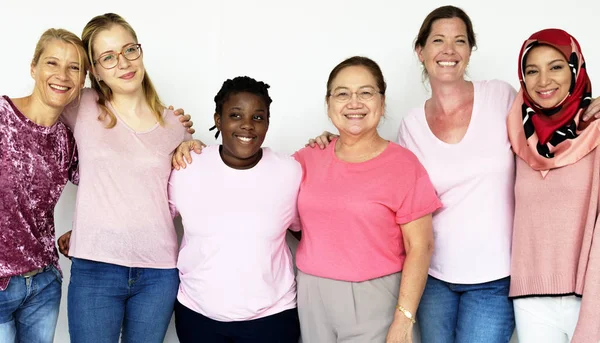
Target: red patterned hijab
[[548, 138]]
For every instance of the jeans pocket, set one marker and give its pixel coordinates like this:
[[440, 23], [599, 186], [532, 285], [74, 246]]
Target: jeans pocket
[[500, 287], [57, 274]]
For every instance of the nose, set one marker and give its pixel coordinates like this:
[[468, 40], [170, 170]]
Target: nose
[[247, 124], [544, 78], [354, 101], [122, 62], [62, 73], [449, 48]]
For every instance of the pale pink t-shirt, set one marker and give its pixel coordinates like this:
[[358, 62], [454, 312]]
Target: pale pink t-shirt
[[475, 180], [350, 212], [234, 263], [122, 211]]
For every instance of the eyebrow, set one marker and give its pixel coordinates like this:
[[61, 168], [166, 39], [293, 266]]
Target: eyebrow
[[56, 58], [107, 51], [344, 87], [549, 63], [442, 35], [240, 109]]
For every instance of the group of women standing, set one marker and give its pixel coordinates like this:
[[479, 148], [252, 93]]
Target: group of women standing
[[437, 229], [512, 230]]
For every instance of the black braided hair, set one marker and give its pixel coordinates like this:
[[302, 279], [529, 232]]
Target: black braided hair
[[238, 85]]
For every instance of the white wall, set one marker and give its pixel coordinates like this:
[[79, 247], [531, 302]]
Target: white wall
[[191, 47]]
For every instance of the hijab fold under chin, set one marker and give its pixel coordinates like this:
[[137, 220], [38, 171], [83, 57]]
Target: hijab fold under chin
[[553, 137]]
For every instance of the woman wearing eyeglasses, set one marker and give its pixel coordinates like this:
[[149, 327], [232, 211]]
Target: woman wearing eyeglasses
[[365, 205], [124, 279]]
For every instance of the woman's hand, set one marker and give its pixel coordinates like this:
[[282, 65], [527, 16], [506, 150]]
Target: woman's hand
[[182, 157], [64, 243], [593, 110], [185, 119], [401, 330], [322, 141]]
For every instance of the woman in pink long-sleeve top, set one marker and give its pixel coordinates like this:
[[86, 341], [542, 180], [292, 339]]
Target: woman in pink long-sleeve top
[[555, 253]]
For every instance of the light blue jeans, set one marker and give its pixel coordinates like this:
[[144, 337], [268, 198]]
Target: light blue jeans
[[29, 308], [107, 301], [466, 313]]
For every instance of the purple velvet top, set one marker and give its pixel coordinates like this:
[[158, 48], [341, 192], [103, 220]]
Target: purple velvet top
[[35, 164]]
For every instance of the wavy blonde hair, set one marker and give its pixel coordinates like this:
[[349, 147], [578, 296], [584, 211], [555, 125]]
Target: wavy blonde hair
[[105, 94], [67, 37]]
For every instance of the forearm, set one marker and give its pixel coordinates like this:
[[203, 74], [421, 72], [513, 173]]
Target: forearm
[[414, 277]]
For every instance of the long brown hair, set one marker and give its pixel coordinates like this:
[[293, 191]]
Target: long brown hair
[[105, 94]]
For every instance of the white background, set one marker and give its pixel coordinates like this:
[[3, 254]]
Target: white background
[[191, 47]]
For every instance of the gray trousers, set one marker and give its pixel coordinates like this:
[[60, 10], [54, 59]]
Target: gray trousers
[[333, 311]]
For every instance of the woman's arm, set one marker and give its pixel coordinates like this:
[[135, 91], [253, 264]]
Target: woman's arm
[[418, 242], [588, 325]]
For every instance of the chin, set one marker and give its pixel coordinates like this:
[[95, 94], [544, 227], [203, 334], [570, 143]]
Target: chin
[[547, 103]]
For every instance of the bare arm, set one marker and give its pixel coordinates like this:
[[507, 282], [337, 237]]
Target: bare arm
[[418, 242]]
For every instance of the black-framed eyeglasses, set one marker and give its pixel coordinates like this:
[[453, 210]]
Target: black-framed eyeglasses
[[110, 59]]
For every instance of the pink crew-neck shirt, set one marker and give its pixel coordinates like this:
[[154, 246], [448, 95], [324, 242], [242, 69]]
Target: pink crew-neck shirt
[[474, 180], [234, 263], [351, 212], [122, 210]]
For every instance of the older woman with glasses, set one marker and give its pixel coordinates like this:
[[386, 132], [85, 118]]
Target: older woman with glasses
[[366, 232]]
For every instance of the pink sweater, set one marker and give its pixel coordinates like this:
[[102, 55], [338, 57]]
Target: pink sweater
[[556, 243]]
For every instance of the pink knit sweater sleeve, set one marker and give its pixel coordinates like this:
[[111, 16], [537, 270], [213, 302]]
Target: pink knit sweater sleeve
[[588, 325]]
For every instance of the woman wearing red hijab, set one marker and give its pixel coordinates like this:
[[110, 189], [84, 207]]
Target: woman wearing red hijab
[[555, 267]]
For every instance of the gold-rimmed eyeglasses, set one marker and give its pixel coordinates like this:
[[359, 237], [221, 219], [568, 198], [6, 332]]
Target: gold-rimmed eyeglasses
[[344, 95], [110, 59]]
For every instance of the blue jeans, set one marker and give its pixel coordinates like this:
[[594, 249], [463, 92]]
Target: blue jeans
[[466, 313], [29, 307], [106, 301]]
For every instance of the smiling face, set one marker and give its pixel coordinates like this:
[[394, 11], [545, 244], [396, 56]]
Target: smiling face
[[446, 52], [58, 74], [127, 76], [243, 123], [355, 116], [547, 76]]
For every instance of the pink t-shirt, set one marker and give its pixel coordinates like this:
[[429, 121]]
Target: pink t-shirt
[[122, 211], [474, 179], [350, 212], [234, 263]]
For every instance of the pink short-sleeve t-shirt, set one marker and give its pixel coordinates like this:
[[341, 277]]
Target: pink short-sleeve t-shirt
[[350, 212]]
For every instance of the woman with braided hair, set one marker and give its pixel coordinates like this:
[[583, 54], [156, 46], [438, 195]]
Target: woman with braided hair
[[236, 272]]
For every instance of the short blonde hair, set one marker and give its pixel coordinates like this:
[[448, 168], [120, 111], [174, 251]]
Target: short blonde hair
[[105, 94], [67, 37]]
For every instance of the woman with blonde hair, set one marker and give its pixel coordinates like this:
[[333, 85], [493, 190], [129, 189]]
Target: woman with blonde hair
[[37, 158], [123, 246]]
